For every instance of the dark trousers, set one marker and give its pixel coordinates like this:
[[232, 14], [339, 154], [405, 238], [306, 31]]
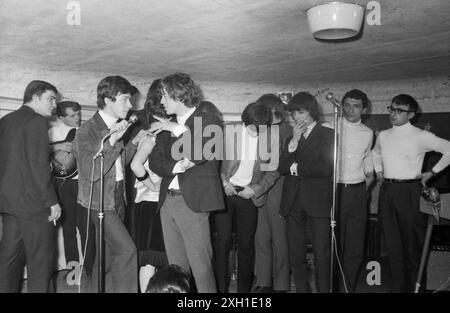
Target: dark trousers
[[297, 221], [351, 230], [121, 264], [30, 243], [73, 217], [246, 222], [404, 228], [87, 248]]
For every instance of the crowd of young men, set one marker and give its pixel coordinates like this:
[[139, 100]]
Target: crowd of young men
[[280, 200]]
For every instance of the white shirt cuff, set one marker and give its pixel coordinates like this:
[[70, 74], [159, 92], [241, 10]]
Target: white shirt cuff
[[177, 168]]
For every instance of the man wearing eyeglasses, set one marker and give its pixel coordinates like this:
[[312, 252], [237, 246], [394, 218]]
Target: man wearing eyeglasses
[[398, 157]]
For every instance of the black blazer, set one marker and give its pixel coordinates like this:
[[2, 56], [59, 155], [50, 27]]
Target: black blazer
[[200, 185], [26, 190], [312, 188]]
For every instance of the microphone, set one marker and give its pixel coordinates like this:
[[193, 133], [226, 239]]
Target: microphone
[[330, 97], [432, 196], [131, 120]]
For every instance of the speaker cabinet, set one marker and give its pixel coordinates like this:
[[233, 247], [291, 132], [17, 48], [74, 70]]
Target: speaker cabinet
[[438, 269]]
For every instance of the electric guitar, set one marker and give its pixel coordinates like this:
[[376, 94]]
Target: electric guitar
[[63, 163]]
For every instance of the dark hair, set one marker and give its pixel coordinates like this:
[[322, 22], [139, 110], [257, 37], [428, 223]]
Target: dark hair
[[109, 87], [62, 106], [153, 104], [305, 101], [37, 87], [209, 108], [404, 99], [181, 87], [169, 279], [257, 115], [274, 104], [134, 91], [358, 95]]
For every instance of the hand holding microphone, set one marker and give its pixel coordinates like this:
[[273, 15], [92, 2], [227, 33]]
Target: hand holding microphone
[[118, 129]]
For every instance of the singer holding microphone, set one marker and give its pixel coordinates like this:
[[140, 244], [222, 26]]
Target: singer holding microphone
[[105, 130]]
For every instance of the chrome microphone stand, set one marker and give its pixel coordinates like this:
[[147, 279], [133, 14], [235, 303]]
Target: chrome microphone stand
[[433, 199], [337, 123], [101, 215]]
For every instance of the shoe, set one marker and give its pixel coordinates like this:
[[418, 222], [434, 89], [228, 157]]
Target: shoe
[[280, 291], [261, 289]]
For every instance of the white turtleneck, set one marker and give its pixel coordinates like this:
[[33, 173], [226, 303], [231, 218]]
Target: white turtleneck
[[400, 150], [355, 152]]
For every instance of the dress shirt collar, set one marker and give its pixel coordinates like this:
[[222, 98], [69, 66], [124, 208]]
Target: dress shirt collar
[[309, 129], [182, 119], [108, 119]]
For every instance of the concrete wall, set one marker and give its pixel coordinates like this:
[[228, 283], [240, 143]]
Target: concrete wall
[[433, 94]]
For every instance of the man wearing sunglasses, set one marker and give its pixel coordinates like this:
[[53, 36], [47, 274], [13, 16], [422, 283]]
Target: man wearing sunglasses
[[398, 158]]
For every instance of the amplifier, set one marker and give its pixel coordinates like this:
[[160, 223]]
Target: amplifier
[[438, 270]]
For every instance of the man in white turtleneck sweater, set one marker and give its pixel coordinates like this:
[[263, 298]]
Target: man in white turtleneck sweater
[[398, 157], [355, 174]]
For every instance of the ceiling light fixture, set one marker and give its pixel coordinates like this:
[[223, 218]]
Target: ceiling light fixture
[[335, 20]]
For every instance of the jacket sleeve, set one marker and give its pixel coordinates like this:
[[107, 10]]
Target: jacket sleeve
[[130, 151], [160, 161], [87, 143], [286, 158], [266, 182], [38, 148]]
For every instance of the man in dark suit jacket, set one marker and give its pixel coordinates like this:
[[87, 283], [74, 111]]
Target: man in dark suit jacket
[[191, 186], [28, 202], [307, 192]]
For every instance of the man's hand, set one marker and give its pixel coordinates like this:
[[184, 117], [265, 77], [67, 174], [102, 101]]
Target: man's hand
[[166, 125], [380, 177], [369, 180], [247, 193], [119, 129], [229, 189], [298, 130], [425, 177], [55, 213]]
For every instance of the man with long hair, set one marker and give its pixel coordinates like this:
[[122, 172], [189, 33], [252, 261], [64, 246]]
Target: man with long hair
[[191, 186]]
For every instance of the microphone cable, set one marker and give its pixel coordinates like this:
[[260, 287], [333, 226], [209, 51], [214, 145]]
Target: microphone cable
[[91, 191]]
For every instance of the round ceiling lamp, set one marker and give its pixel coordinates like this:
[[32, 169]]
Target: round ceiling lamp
[[335, 20]]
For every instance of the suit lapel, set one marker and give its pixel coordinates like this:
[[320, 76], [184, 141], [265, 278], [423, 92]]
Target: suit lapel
[[311, 137]]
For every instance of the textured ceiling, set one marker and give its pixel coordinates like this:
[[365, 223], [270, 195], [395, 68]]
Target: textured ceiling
[[261, 41]]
